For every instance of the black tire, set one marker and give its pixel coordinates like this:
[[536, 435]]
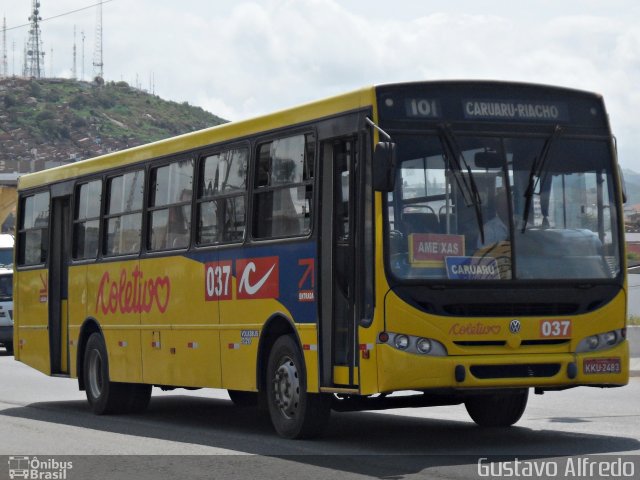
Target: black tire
[[243, 399], [497, 410], [104, 395], [294, 412], [9, 347]]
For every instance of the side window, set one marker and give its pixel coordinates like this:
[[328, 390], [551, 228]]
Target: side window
[[86, 220], [284, 187], [222, 197], [33, 232], [170, 206], [123, 218]]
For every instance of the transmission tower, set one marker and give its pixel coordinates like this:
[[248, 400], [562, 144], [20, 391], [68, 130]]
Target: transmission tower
[[74, 74], [97, 54], [35, 52], [4, 69]]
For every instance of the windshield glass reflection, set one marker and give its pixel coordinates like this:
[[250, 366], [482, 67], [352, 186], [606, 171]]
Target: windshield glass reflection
[[554, 219]]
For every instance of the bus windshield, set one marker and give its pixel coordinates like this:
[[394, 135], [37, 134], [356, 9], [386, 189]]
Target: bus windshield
[[540, 208]]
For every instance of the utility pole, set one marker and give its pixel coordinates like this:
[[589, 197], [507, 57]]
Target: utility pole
[[24, 60], [97, 54], [35, 52], [74, 72], [4, 70], [82, 69]]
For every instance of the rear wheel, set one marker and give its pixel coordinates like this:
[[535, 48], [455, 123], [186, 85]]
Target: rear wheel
[[497, 410], [9, 347], [104, 395], [294, 412]]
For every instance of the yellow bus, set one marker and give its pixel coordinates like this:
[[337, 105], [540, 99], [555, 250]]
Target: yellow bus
[[455, 242]]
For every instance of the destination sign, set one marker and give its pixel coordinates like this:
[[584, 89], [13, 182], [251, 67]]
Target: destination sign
[[472, 268], [422, 108], [436, 103], [515, 110], [429, 250]]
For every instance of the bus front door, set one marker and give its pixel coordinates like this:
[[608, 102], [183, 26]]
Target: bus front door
[[58, 285], [337, 265]]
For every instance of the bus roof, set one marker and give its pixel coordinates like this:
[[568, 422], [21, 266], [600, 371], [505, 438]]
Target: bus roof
[[228, 131], [303, 113]]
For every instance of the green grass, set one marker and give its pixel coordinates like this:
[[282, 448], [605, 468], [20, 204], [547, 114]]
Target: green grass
[[633, 320]]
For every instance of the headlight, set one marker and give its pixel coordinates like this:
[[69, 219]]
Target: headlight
[[423, 345], [401, 342], [610, 338], [600, 341], [413, 344]]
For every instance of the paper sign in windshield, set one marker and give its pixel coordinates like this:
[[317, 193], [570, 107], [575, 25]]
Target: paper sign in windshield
[[430, 249], [472, 268]]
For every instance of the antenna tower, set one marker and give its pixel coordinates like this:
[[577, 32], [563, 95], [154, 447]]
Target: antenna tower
[[35, 52], [74, 74], [97, 54], [4, 69]]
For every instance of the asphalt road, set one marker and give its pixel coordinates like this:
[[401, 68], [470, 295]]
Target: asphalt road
[[200, 434]]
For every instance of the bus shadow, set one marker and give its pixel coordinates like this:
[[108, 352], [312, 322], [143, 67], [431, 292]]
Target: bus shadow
[[363, 443]]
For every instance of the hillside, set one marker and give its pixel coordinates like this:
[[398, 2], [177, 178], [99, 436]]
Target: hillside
[[632, 182], [51, 121]]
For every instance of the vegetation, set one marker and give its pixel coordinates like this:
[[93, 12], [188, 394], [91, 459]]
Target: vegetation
[[49, 111], [633, 320]]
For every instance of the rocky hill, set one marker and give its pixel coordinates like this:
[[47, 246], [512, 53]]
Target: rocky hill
[[49, 122]]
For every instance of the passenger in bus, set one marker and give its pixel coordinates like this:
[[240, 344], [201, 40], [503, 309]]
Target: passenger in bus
[[177, 228], [496, 228]]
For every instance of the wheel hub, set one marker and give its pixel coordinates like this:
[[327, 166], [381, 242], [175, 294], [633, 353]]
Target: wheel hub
[[286, 386], [95, 373]]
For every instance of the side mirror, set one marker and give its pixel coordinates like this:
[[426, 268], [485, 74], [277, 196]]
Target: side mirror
[[384, 167]]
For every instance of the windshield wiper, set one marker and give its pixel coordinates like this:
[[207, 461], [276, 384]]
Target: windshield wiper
[[467, 185], [537, 170]]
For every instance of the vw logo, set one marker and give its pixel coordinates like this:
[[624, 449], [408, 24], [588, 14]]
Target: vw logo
[[514, 326]]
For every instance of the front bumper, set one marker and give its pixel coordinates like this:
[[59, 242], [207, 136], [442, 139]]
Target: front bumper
[[399, 370]]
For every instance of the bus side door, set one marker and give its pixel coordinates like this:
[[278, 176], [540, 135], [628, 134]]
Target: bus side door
[[59, 283], [337, 263]]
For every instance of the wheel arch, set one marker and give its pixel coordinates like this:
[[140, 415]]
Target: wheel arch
[[89, 326], [276, 326]]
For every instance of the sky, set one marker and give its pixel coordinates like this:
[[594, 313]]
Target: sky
[[238, 59]]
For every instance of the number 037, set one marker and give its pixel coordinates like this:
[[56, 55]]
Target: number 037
[[555, 328]]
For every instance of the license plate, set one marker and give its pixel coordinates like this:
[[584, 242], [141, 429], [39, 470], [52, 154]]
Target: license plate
[[601, 365]]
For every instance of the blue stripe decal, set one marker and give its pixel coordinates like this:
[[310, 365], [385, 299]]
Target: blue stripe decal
[[297, 281]]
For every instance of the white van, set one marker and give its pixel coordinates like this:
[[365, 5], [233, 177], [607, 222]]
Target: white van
[[6, 292]]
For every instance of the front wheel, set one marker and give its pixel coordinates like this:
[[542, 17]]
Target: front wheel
[[497, 410], [294, 412], [9, 347]]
